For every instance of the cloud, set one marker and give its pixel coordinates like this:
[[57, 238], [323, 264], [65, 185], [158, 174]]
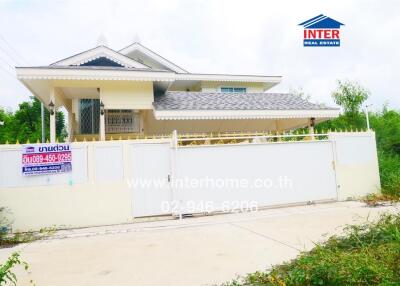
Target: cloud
[[254, 37]]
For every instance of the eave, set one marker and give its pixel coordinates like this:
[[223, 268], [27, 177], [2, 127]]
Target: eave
[[43, 73], [105, 73], [243, 114]]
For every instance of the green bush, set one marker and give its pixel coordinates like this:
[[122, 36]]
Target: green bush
[[389, 168], [4, 224], [366, 255], [7, 276], [386, 124]]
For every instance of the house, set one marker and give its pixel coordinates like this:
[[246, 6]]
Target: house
[[135, 91]]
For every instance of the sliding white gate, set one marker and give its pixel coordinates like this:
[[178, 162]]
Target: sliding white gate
[[206, 178], [228, 177]]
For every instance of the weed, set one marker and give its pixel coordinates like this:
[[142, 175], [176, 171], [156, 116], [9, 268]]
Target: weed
[[366, 254]]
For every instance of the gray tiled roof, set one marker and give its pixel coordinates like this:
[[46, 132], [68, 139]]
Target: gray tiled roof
[[181, 100]]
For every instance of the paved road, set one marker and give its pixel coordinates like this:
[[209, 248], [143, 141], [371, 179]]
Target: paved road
[[194, 251]]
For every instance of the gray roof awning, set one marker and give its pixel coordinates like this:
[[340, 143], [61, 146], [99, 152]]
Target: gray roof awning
[[177, 100]]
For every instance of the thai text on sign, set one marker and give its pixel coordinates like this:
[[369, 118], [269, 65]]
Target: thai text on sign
[[39, 159]]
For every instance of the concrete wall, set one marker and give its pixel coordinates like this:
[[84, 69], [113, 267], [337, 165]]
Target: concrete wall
[[357, 169], [96, 192], [67, 206]]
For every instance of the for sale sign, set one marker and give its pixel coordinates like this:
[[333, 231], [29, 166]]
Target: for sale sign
[[39, 159]]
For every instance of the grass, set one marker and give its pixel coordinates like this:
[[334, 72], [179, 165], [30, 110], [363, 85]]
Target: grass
[[8, 239], [376, 200], [367, 254], [389, 171]]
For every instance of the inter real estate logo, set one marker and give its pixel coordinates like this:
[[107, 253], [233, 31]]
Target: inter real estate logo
[[321, 31]]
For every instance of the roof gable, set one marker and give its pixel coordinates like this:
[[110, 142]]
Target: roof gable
[[138, 52], [101, 52], [102, 62], [321, 22]]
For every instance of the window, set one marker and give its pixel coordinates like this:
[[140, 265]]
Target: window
[[122, 121], [89, 116], [234, 89]]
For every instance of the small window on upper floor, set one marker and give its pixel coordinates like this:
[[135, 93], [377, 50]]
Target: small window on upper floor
[[234, 89]]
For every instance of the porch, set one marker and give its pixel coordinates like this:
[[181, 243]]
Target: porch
[[126, 124], [104, 110]]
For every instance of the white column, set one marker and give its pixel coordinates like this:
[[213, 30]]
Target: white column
[[53, 117], [311, 128], [70, 126], [42, 125], [102, 123], [102, 127]]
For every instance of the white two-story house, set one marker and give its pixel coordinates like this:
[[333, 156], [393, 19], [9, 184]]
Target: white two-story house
[[135, 91]]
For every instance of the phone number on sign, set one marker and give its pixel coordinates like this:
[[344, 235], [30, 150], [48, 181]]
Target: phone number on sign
[[38, 158], [208, 206]]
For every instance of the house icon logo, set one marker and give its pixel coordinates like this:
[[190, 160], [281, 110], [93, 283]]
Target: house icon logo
[[30, 149], [321, 31]]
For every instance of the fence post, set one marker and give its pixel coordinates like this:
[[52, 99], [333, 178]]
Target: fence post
[[174, 139], [311, 128], [174, 144]]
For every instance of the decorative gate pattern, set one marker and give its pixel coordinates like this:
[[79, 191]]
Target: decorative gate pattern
[[122, 121]]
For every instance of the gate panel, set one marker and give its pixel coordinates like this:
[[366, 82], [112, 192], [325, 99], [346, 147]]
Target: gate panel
[[224, 177], [149, 183]]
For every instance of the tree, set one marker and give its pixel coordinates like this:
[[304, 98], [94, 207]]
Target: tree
[[350, 96], [386, 124], [25, 123], [5, 119], [301, 93]]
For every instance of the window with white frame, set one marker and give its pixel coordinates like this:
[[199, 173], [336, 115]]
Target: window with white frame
[[234, 89]]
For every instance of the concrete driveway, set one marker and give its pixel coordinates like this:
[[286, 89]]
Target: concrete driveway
[[194, 251]]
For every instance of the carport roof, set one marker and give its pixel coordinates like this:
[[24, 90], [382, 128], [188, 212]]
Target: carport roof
[[177, 100], [207, 105]]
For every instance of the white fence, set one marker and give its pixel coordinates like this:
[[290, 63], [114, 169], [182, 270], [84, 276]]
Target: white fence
[[116, 181]]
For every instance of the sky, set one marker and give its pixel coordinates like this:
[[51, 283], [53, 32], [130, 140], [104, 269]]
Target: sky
[[219, 36]]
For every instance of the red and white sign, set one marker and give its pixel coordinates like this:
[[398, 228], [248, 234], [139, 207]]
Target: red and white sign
[[38, 159]]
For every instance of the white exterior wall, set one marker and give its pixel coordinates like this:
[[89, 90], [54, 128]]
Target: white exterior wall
[[96, 191], [209, 86], [127, 95]]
